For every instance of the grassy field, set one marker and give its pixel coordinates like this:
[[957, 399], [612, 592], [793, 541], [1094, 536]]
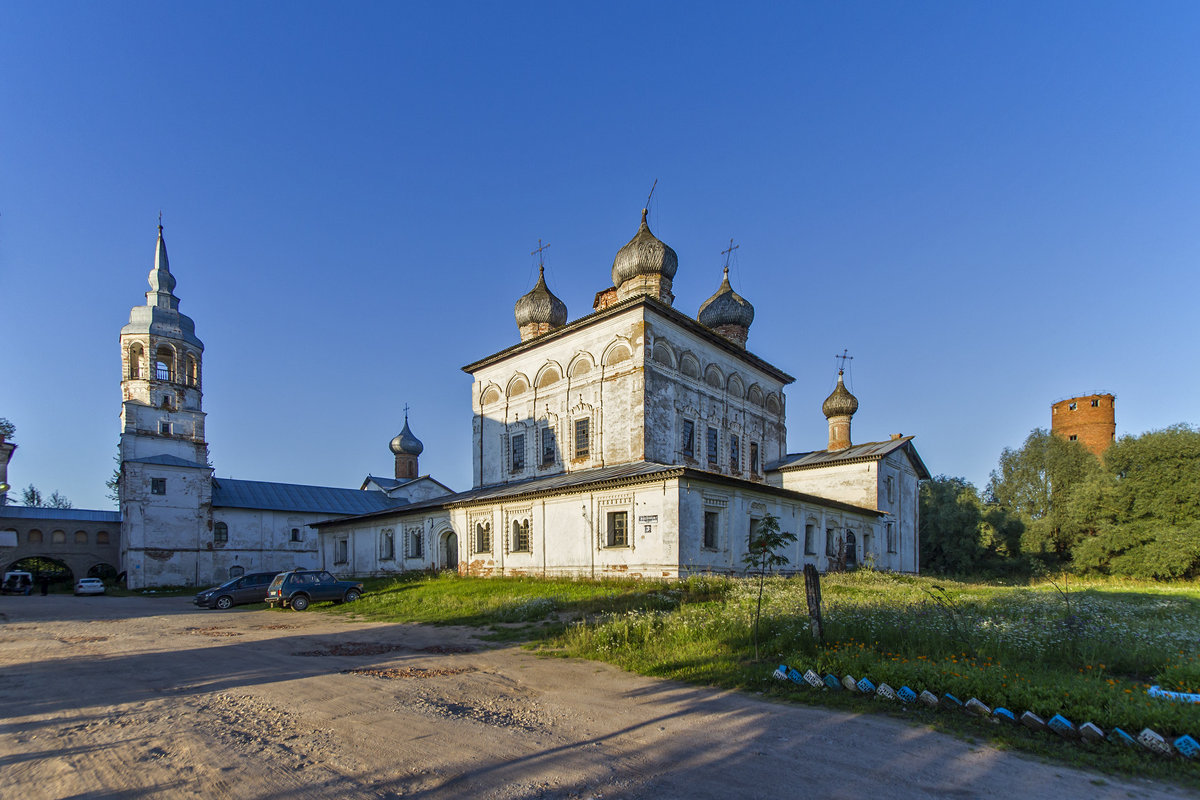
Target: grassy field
[[1086, 650]]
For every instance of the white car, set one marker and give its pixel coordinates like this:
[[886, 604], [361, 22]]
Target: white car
[[89, 586]]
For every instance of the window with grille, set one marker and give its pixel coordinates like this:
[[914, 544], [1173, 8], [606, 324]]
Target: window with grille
[[520, 536], [483, 537], [518, 452], [754, 458], [618, 529], [158, 486], [582, 432], [735, 454], [687, 444], [549, 447], [220, 532], [712, 446]]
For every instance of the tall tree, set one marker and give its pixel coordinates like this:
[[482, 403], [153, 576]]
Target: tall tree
[[32, 497], [1036, 483], [950, 516]]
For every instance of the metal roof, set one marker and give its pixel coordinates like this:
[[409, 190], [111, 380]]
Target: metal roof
[[230, 493], [870, 451], [72, 514], [168, 461]]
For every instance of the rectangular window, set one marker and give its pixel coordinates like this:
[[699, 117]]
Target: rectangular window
[[891, 538], [753, 529], [164, 428], [518, 452], [754, 458], [687, 439], [810, 539], [1073, 437], [341, 551], [582, 432], [549, 447], [712, 446], [735, 454], [387, 546], [712, 521], [520, 540], [891, 489], [1095, 404], [158, 486], [831, 545], [618, 529]]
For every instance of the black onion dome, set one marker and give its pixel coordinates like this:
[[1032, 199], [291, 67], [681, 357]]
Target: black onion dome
[[405, 443], [726, 307], [540, 305], [644, 254], [840, 402]]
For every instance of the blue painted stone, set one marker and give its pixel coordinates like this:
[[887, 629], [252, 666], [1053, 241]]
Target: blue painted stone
[[781, 673], [906, 694], [865, 686], [1004, 714], [1187, 746], [1118, 736], [1062, 726], [795, 676], [952, 701], [832, 682]]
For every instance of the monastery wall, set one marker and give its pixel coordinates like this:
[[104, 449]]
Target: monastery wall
[[163, 535]]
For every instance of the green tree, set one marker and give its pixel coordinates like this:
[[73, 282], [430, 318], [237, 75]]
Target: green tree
[[950, 525], [762, 553], [7, 429], [1037, 483], [1149, 509], [32, 497]]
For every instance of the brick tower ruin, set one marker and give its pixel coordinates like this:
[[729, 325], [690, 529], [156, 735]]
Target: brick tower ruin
[[1089, 419]]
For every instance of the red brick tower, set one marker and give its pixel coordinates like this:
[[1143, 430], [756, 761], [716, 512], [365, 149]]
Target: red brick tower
[[1090, 419]]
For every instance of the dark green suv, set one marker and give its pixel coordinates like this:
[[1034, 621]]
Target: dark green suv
[[298, 588]]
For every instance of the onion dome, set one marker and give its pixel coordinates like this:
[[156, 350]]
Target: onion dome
[[405, 443], [644, 254], [540, 306], [840, 402], [726, 307]]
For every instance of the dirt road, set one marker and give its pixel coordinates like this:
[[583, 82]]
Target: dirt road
[[131, 697]]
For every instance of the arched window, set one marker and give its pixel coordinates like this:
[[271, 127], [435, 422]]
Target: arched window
[[773, 405], [164, 363], [518, 386], [220, 532], [237, 571], [521, 541], [714, 378], [689, 366], [582, 366], [387, 544], [136, 356], [735, 386], [34, 537], [755, 395], [548, 377], [491, 395], [616, 355], [102, 537], [80, 537], [483, 537], [662, 354], [58, 537], [192, 371]]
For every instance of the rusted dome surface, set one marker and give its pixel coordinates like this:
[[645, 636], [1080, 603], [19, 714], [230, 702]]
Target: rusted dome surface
[[840, 402], [540, 305], [726, 307], [644, 254]]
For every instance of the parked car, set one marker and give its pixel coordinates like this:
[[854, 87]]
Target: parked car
[[17, 582], [251, 588], [89, 586], [298, 588]]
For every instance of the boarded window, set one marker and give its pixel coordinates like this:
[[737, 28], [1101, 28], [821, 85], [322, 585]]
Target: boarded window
[[80, 537], [618, 529], [102, 537], [810, 539]]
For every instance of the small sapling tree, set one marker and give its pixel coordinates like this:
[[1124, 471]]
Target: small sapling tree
[[762, 553]]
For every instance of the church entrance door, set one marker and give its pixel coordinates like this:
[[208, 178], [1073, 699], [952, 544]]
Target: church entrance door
[[450, 551]]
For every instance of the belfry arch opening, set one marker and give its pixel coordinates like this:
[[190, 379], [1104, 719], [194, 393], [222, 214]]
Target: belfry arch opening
[[164, 363]]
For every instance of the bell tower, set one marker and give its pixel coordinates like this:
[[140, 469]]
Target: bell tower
[[166, 482], [161, 366]]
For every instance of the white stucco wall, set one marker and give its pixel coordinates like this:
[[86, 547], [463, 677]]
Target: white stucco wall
[[162, 536]]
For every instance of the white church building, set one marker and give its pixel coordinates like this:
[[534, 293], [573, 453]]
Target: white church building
[[640, 441]]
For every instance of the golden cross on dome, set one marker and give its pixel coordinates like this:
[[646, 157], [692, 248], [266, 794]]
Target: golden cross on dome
[[843, 358], [728, 252], [540, 253]]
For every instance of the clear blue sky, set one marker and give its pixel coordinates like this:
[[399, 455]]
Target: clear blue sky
[[992, 205]]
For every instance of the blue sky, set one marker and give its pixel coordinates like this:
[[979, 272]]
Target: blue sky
[[992, 206]]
